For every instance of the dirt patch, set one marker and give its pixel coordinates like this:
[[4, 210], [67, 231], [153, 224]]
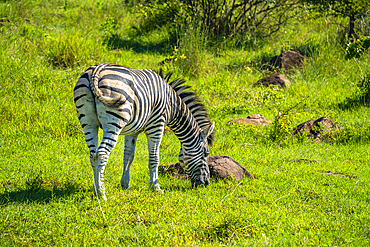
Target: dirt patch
[[254, 119], [338, 174], [304, 160]]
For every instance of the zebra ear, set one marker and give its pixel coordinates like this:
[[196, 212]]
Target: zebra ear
[[208, 131]]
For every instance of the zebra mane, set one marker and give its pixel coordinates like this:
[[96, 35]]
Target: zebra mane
[[192, 101]]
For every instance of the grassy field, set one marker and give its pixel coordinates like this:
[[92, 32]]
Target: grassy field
[[46, 180]]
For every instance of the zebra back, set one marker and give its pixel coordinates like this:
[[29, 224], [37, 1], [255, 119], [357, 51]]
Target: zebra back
[[192, 101]]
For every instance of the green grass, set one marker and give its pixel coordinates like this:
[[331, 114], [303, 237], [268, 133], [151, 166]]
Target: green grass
[[46, 180]]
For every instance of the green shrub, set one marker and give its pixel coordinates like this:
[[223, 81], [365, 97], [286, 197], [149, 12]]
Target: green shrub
[[158, 14], [217, 18], [358, 47], [68, 51], [281, 128], [364, 88]]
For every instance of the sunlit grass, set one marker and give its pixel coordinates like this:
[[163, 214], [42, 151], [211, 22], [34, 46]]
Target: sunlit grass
[[304, 193]]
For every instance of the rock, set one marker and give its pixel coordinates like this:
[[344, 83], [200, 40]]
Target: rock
[[291, 59], [275, 79], [324, 126], [173, 169], [304, 129], [224, 167], [319, 129], [254, 119], [288, 60], [220, 167]]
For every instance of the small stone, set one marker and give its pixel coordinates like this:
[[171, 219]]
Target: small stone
[[275, 79], [254, 119]]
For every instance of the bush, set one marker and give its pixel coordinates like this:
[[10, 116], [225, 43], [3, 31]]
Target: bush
[[281, 128], [158, 14], [353, 10], [68, 51], [358, 47], [217, 18]]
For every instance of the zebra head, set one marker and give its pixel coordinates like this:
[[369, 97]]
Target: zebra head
[[195, 161]]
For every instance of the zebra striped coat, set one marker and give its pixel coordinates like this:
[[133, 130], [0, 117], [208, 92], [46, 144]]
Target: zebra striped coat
[[128, 101]]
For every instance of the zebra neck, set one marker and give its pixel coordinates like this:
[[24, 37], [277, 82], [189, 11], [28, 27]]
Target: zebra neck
[[185, 127]]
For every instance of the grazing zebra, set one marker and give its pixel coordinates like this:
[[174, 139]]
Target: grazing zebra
[[128, 101]]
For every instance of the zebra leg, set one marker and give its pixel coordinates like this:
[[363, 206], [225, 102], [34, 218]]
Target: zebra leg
[[87, 115], [130, 143], [154, 141], [92, 140], [100, 160]]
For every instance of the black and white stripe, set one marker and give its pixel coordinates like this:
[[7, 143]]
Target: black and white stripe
[[130, 101]]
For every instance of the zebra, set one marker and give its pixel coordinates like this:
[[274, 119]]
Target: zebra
[[125, 101]]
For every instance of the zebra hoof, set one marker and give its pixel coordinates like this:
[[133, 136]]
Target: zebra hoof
[[158, 189], [124, 186], [100, 194]]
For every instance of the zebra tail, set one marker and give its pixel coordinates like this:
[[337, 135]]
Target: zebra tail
[[110, 102]]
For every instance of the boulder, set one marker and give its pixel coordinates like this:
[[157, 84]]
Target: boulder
[[220, 167], [304, 129], [288, 60], [275, 79], [254, 119], [317, 129], [224, 167]]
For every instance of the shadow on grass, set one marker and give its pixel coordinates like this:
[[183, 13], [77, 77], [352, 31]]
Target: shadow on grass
[[360, 98], [117, 42], [39, 195], [181, 188], [307, 49], [354, 102], [177, 184]]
